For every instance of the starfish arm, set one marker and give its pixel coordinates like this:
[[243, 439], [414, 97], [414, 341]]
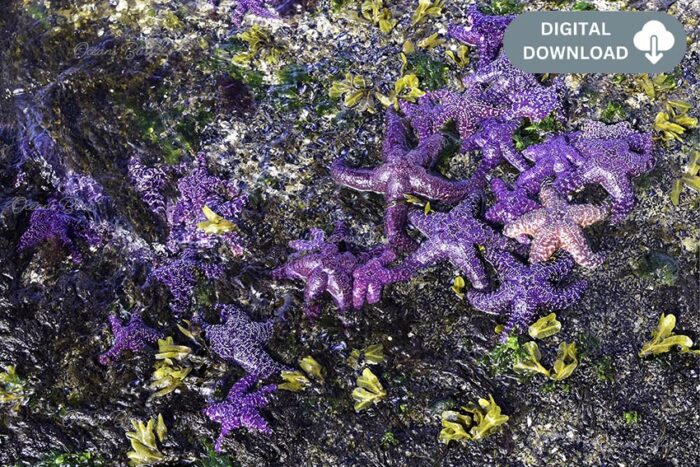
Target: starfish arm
[[567, 296], [573, 241], [521, 315], [466, 259], [570, 182], [427, 254], [559, 268], [395, 217], [297, 269], [490, 302], [437, 188], [263, 331], [621, 191], [502, 260], [587, 214], [241, 386], [315, 286], [531, 179], [255, 422], [544, 244], [340, 288], [513, 157], [359, 179], [428, 151], [527, 224], [395, 135], [426, 223]]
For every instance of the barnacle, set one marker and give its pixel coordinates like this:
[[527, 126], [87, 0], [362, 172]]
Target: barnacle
[[480, 421], [663, 339], [427, 8], [311, 367], [262, 47], [145, 441], [530, 361], [690, 178], [674, 121], [357, 91], [215, 224], [544, 327], [13, 389], [294, 381], [566, 361], [368, 391]]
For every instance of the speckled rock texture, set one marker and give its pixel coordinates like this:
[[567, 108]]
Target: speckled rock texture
[[128, 93]]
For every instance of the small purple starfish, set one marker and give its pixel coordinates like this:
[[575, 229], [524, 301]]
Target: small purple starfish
[[53, 223], [510, 203], [612, 156], [324, 267], [134, 336], [239, 340], [254, 7], [485, 32], [527, 288], [453, 236], [556, 157], [495, 139], [241, 409], [181, 275], [404, 171]]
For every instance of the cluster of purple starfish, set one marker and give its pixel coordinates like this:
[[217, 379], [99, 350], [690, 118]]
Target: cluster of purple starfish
[[536, 216]]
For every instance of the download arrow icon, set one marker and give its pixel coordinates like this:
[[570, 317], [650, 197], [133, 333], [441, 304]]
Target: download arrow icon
[[654, 56]]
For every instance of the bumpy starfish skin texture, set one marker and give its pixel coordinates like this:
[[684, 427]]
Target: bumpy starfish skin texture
[[180, 275], [241, 409], [500, 82], [253, 7], [556, 157], [510, 203], [452, 236], [149, 182], [324, 268], [557, 225], [136, 335], [240, 340], [495, 139], [404, 171], [485, 32], [526, 288], [610, 160]]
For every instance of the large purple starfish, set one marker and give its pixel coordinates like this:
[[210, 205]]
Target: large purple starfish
[[485, 32], [557, 225], [495, 139], [136, 335], [510, 203], [239, 340], [404, 171], [612, 155], [241, 409], [324, 267], [526, 288], [556, 157], [453, 236]]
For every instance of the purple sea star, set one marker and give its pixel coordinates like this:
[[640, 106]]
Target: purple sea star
[[324, 267], [453, 236], [180, 275], [557, 225], [255, 7], [197, 190], [239, 340], [495, 139], [241, 409], [510, 203], [149, 182], [556, 157], [54, 224], [526, 288], [612, 155], [134, 336], [485, 32], [404, 171]]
